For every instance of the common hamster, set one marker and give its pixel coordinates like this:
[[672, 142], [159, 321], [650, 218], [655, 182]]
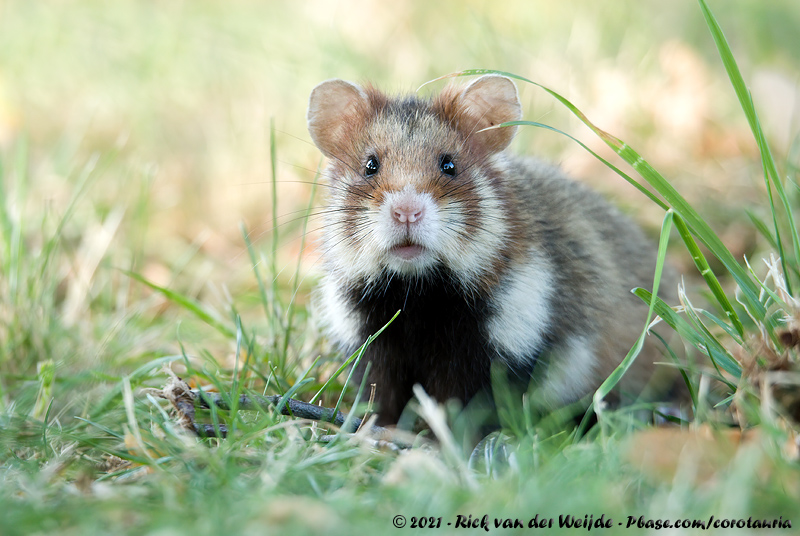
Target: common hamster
[[493, 259]]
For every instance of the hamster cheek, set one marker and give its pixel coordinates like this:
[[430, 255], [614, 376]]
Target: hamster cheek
[[477, 230]]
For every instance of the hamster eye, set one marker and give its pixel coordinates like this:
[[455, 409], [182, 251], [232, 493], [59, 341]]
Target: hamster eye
[[372, 166], [447, 166]]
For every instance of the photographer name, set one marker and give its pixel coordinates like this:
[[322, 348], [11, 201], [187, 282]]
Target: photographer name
[[587, 522]]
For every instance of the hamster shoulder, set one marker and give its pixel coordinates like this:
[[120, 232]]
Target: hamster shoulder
[[596, 256]]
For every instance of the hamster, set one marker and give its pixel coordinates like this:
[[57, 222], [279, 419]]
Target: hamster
[[494, 260]]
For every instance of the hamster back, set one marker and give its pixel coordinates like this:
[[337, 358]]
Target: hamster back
[[494, 260]]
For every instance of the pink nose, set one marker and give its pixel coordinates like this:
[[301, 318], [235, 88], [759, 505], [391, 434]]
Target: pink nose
[[408, 212]]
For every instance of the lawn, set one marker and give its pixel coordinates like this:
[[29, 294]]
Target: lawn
[[158, 212]]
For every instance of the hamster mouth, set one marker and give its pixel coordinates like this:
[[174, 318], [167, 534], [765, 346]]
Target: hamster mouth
[[407, 251]]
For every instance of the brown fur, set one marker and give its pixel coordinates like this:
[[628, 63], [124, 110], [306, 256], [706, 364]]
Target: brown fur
[[506, 240]]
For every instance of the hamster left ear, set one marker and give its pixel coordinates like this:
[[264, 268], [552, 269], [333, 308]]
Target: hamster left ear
[[335, 109], [488, 101]]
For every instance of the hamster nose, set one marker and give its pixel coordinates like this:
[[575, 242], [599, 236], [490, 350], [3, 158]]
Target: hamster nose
[[408, 212]]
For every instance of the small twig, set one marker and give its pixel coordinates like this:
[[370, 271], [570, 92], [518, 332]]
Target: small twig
[[292, 408], [185, 401]]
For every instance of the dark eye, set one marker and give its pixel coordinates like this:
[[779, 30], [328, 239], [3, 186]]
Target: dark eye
[[447, 166], [372, 166]]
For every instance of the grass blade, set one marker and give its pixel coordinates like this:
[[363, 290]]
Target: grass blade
[[262, 291], [611, 166], [770, 169], [724, 326], [354, 358], [188, 304], [681, 368], [687, 332], [275, 315], [708, 274], [762, 228], [292, 308], [616, 376], [717, 352]]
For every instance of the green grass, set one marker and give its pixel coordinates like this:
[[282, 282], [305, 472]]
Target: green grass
[[114, 263]]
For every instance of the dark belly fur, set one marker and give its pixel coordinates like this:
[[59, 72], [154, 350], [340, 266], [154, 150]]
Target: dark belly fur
[[436, 341]]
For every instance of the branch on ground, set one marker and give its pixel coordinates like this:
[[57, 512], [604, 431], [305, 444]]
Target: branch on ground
[[185, 400]]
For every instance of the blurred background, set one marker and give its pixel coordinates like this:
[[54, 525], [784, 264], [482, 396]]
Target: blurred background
[[148, 123]]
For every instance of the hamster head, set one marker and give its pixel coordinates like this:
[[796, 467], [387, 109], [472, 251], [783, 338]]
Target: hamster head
[[415, 185]]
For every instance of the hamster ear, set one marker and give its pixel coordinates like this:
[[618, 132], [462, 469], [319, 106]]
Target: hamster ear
[[488, 101], [335, 108]]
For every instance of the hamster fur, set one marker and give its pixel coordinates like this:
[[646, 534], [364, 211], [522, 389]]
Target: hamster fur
[[494, 259]]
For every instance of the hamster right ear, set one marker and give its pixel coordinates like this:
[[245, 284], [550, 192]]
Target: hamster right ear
[[335, 109], [488, 101]]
